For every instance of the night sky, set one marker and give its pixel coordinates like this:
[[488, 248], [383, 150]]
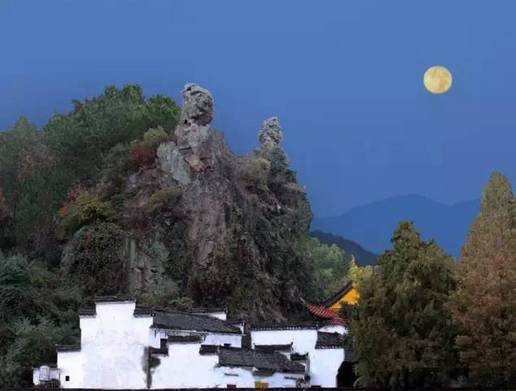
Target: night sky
[[345, 78]]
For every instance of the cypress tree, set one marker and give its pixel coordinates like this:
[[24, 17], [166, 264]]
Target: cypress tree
[[484, 306], [402, 334]]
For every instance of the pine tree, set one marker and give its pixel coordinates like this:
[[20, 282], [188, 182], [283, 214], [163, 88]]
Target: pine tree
[[484, 306], [402, 334]]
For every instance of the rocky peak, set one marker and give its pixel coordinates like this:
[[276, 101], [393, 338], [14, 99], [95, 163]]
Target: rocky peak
[[182, 159], [270, 134], [218, 228], [196, 116]]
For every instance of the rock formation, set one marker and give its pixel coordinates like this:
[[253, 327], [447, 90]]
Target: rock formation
[[196, 116], [270, 134], [221, 229]]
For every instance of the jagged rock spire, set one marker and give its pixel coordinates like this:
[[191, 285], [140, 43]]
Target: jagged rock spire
[[196, 115], [270, 134]]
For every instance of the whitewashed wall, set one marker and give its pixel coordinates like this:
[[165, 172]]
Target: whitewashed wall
[[324, 366], [244, 378], [303, 340], [324, 363], [71, 364], [234, 340], [112, 352], [184, 367]]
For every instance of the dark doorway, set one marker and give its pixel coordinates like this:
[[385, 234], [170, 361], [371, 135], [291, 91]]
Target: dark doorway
[[346, 376]]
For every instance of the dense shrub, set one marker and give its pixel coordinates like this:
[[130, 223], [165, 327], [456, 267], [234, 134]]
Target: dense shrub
[[144, 152], [34, 344], [37, 310], [163, 111], [164, 198], [142, 155], [16, 296], [254, 172], [115, 168], [83, 208], [154, 137], [96, 260], [330, 264]]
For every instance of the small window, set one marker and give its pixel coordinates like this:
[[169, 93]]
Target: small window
[[261, 384], [67, 378]]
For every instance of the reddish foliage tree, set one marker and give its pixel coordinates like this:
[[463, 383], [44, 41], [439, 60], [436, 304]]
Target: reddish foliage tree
[[484, 306], [143, 155]]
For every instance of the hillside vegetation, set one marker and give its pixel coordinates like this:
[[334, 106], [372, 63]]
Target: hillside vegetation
[[127, 195], [362, 256]]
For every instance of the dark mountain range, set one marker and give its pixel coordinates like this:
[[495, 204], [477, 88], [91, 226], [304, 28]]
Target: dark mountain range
[[362, 256], [372, 224]]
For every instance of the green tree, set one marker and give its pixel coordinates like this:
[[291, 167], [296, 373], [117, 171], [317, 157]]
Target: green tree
[[402, 332], [16, 294], [37, 310], [484, 306], [96, 259], [359, 274], [330, 264], [21, 151], [83, 209], [34, 344], [82, 137]]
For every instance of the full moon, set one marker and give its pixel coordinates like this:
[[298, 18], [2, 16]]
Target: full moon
[[437, 79]]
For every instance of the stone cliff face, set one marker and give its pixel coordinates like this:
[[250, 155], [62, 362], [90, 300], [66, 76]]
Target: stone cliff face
[[220, 228]]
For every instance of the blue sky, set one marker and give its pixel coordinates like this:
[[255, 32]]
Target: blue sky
[[345, 78]]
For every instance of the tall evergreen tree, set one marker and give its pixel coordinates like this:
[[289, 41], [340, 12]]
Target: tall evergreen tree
[[484, 306], [402, 334]]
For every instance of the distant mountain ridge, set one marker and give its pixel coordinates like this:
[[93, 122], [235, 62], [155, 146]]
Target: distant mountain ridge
[[362, 256], [372, 224]]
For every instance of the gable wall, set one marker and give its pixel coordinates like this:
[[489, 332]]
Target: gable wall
[[113, 349]]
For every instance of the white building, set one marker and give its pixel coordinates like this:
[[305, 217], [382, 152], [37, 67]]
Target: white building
[[126, 347]]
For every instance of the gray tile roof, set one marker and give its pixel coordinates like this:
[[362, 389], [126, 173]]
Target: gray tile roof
[[347, 286], [114, 299], [302, 325], [298, 356], [208, 349], [68, 348], [143, 311], [277, 362], [184, 338], [187, 321], [87, 312], [203, 310], [274, 348], [329, 340]]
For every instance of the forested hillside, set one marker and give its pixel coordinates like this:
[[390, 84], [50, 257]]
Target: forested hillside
[[128, 195], [362, 256]]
